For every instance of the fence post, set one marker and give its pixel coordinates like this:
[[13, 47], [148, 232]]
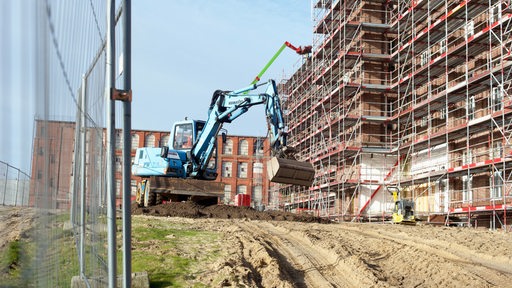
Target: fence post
[[83, 157], [110, 78], [126, 184], [74, 188], [17, 184], [5, 185]]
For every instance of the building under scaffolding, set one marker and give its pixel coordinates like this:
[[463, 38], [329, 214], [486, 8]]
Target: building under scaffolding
[[414, 94]]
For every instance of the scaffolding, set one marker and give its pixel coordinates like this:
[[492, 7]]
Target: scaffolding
[[408, 93]]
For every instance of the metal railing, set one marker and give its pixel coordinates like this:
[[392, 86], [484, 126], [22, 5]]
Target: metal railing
[[14, 186]]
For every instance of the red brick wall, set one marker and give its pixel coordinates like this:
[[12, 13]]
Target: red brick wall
[[235, 158], [52, 161]]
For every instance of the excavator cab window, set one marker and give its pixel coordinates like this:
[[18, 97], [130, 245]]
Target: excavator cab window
[[183, 136]]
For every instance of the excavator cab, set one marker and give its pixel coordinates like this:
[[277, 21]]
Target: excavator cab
[[184, 133], [403, 209]]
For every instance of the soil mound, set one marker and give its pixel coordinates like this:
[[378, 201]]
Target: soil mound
[[193, 210]]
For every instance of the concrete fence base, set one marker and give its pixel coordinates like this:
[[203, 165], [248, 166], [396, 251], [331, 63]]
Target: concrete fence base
[[139, 280]]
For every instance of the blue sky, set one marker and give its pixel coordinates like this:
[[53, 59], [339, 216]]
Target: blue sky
[[182, 51]]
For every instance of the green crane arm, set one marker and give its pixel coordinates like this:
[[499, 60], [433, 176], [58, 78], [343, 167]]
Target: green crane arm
[[300, 50]]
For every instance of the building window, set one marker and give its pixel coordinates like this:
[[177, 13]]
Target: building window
[[241, 189], [496, 150], [495, 13], [227, 148], [226, 169], [467, 157], [119, 139], [135, 141], [442, 113], [467, 184], [424, 121], [257, 168], [119, 162], [442, 46], [164, 141], [243, 147], [258, 147], [470, 29], [227, 193], [242, 170], [424, 58], [150, 140], [443, 186], [257, 194], [470, 108], [345, 78], [496, 99], [118, 186], [497, 185]]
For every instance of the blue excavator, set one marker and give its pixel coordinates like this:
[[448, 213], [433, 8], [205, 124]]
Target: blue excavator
[[185, 168]]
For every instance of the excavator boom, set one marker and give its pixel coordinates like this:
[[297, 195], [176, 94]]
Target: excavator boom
[[187, 166]]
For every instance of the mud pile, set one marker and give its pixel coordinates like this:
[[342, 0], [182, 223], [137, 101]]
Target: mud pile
[[194, 210]]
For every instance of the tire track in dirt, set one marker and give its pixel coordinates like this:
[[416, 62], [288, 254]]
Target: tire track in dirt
[[492, 270], [321, 267]]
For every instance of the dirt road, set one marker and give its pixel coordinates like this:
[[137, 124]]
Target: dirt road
[[307, 252], [290, 254]]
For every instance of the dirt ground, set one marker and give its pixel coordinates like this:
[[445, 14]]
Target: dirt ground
[[277, 249], [15, 223], [304, 251]]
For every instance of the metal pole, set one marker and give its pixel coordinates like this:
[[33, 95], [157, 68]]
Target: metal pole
[[111, 194], [83, 134], [23, 191], [74, 188], [127, 143], [5, 185], [17, 187]]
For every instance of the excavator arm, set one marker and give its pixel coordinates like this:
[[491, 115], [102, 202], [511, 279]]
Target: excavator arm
[[226, 107], [175, 173]]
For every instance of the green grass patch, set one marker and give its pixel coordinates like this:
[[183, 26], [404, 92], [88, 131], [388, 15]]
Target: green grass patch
[[11, 261], [172, 253], [21, 261]]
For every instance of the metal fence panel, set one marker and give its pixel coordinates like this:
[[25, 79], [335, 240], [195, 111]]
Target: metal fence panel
[[67, 75]]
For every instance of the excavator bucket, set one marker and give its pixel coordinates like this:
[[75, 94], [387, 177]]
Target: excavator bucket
[[288, 171]]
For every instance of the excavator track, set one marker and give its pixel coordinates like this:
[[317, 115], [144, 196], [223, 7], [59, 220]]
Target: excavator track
[[154, 190]]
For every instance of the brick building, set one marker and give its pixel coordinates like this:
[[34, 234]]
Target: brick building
[[241, 162], [52, 162]]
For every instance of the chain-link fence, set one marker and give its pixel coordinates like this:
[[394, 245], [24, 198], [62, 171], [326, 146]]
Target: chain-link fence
[[14, 186], [67, 59]]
